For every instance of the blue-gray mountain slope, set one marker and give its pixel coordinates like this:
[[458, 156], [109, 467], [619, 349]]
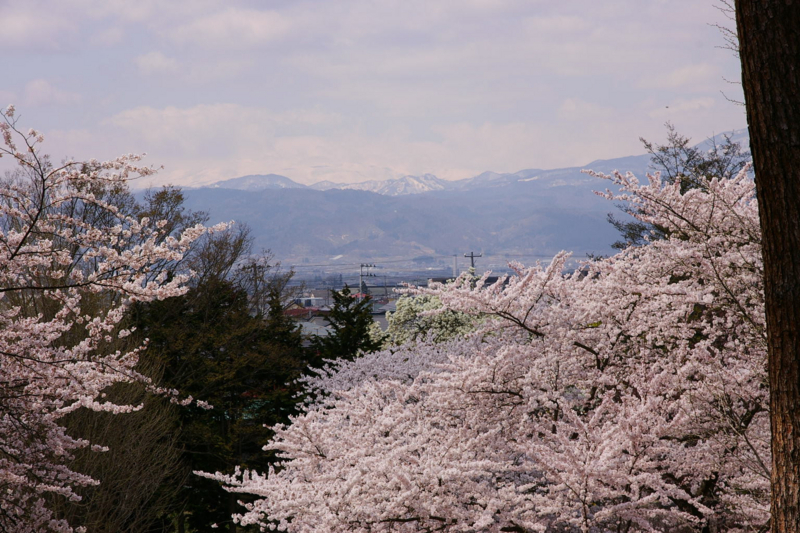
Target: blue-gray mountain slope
[[532, 212]]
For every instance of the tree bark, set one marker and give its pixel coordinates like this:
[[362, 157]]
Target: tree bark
[[769, 40]]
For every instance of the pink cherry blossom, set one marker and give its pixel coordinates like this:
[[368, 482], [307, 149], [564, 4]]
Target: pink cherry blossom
[[57, 359], [629, 395]]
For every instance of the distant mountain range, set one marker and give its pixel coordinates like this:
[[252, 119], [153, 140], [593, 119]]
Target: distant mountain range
[[257, 182], [392, 187], [412, 184], [532, 211]]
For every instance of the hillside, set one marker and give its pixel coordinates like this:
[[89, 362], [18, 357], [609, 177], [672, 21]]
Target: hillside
[[531, 211]]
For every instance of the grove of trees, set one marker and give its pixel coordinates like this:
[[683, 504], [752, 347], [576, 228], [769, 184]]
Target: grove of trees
[[630, 395], [72, 262], [210, 345], [112, 305]]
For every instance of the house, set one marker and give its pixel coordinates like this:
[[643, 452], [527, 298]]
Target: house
[[310, 301]]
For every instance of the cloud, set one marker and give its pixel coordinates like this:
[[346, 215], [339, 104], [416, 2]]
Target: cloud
[[218, 141], [7, 97], [188, 131], [696, 76], [155, 63], [108, 37], [212, 142], [217, 69], [557, 24], [25, 28], [357, 89], [576, 109], [232, 28], [683, 108], [206, 143], [138, 12], [40, 92], [225, 130]]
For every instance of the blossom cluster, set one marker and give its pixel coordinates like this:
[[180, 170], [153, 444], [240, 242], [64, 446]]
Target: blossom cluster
[[70, 264], [628, 395]]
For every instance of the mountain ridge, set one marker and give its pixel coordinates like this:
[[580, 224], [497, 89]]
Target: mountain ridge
[[425, 183], [534, 211]]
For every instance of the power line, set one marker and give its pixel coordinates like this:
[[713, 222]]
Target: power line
[[353, 265], [361, 275]]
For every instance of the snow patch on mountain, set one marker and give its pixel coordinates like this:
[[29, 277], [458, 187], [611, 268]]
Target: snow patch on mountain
[[392, 187], [407, 185], [258, 182]]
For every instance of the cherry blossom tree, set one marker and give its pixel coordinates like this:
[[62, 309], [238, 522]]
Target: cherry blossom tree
[[66, 280], [629, 395], [420, 317]]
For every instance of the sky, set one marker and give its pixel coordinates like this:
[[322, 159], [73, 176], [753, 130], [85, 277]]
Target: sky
[[353, 90]]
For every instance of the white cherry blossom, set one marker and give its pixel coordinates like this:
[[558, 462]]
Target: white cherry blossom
[[56, 350], [629, 395]]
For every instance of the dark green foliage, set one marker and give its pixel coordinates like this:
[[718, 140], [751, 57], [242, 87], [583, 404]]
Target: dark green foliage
[[679, 162], [212, 348], [140, 473], [350, 321], [225, 342], [634, 233]]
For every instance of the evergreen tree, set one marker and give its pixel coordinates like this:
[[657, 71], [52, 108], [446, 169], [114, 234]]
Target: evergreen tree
[[351, 321], [213, 348]]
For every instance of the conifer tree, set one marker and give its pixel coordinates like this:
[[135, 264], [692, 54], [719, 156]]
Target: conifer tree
[[244, 365], [350, 321]]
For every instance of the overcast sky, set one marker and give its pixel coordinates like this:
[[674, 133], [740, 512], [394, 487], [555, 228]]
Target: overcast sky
[[349, 90]]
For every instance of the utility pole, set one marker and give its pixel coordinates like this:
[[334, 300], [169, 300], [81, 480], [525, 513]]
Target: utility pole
[[455, 266], [361, 275], [472, 275], [472, 257]]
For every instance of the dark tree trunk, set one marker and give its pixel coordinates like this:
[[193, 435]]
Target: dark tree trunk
[[769, 41], [233, 507]]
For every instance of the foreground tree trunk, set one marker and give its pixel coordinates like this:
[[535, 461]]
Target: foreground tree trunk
[[769, 39]]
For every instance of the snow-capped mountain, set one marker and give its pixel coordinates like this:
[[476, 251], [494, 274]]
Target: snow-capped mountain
[[258, 182], [491, 179], [531, 211], [325, 185], [426, 183], [391, 187]]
